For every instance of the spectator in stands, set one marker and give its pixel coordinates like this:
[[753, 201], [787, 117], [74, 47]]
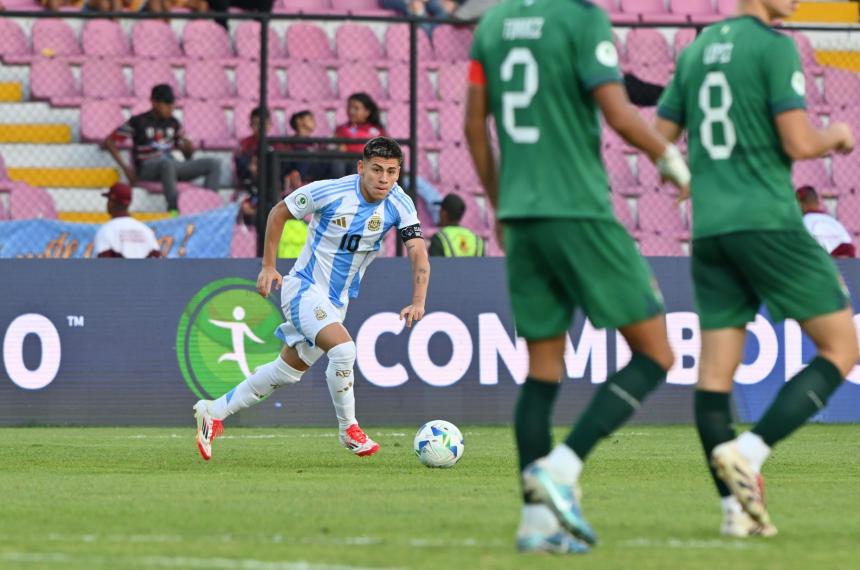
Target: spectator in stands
[[300, 172], [55, 5], [430, 8], [452, 240], [154, 135], [826, 229], [223, 6], [166, 6], [364, 122], [123, 236], [245, 160]]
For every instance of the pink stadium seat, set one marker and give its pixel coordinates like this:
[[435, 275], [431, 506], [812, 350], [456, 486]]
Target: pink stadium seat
[[197, 200], [848, 211], [727, 7], [659, 246], [397, 124], [683, 38], [425, 169], [648, 175], [810, 173], [807, 52], [357, 42], [244, 243], [155, 39], [248, 42], [99, 119], [359, 77], [398, 84], [206, 123], [451, 123], [474, 217], [103, 79], [308, 82], [622, 211], [151, 72], [204, 39], [841, 87], [814, 96], [457, 170], [51, 78], [207, 80], [105, 38], [651, 11], [846, 173], [308, 42], [621, 178], [659, 74], [248, 83], [615, 13], [57, 37], [397, 44], [452, 43], [452, 82], [648, 46], [28, 202], [658, 213], [699, 11], [242, 119], [13, 41]]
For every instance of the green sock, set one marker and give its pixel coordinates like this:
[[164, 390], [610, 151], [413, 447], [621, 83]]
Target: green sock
[[801, 398], [615, 401], [714, 422], [533, 418]]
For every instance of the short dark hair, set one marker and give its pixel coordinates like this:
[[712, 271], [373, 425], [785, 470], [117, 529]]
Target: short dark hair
[[807, 194], [255, 114], [162, 93], [383, 147], [454, 206], [295, 117]]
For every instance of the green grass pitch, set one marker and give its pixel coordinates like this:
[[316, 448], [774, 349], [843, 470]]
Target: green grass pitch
[[292, 499]]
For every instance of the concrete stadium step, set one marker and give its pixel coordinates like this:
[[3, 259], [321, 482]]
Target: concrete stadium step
[[40, 114], [102, 217], [826, 12], [35, 133], [11, 92], [64, 155], [91, 201], [65, 177]]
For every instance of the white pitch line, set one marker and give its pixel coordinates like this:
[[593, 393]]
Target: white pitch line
[[690, 544]]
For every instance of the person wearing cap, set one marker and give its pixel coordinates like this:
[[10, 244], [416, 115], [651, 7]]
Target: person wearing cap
[[123, 236], [452, 240], [154, 135], [826, 229]]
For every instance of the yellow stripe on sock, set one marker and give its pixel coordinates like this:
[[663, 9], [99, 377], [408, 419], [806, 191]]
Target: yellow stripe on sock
[[65, 177], [11, 92], [29, 133]]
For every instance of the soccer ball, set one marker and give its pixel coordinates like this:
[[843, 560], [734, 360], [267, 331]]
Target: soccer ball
[[439, 444]]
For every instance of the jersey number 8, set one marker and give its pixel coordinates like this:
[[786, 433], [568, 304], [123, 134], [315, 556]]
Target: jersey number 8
[[717, 115]]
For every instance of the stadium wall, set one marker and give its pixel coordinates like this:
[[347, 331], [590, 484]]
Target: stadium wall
[[137, 342]]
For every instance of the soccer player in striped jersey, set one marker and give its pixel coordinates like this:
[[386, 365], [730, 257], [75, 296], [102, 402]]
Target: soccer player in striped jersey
[[351, 215], [739, 90]]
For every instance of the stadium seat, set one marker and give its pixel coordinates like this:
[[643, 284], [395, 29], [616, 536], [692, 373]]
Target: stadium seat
[[451, 43], [242, 118], [244, 242], [615, 13], [104, 79], [398, 84], [727, 7], [846, 173], [55, 38], [456, 168], [13, 40], [807, 53], [683, 38], [810, 173], [397, 124], [397, 44], [205, 123], [50, 78], [474, 217], [621, 178], [151, 72], [648, 175], [247, 38], [659, 73], [848, 211], [207, 80], [359, 77], [622, 211], [814, 96], [698, 11], [452, 82], [357, 42], [105, 38], [646, 46], [451, 123], [204, 39], [841, 87], [28, 202], [658, 213], [658, 245], [651, 11], [248, 83], [155, 39], [99, 119], [309, 42], [425, 168], [197, 200]]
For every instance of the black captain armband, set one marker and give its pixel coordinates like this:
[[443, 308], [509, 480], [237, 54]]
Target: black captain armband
[[410, 232]]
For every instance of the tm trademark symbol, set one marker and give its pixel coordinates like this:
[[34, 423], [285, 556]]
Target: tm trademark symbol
[[75, 321]]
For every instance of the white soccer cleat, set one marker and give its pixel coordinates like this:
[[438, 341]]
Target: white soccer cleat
[[745, 484], [207, 429], [739, 524], [355, 440]]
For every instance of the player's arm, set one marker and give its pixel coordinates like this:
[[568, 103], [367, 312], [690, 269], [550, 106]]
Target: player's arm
[[801, 140], [669, 130], [417, 252], [278, 216], [477, 135], [110, 145]]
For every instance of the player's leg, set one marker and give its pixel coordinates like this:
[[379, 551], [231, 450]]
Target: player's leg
[[338, 345]]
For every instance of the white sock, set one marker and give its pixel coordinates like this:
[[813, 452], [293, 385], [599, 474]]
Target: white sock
[[754, 449], [730, 505], [564, 464], [257, 386], [339, 376], [537, 519]]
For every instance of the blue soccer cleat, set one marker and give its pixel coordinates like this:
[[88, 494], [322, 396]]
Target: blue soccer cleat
[[561, 499], [559, 542]]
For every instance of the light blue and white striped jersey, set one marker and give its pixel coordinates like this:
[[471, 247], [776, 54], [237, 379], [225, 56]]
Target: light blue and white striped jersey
[[345, 234]]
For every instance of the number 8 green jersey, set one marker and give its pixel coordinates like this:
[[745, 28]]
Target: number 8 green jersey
[[728, 88], [541, 59]]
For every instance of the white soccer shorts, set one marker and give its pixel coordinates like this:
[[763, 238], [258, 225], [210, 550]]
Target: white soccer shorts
[[307, 311]]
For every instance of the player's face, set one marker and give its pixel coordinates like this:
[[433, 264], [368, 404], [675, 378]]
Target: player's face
[[378, 175], [781, 8]]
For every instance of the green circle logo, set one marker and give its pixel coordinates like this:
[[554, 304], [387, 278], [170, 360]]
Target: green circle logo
[[224, 334]]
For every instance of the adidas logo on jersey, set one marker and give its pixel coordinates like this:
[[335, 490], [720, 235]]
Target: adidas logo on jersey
[[340, 222]]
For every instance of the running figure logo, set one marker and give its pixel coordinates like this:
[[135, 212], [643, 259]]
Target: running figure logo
[[239, 329]]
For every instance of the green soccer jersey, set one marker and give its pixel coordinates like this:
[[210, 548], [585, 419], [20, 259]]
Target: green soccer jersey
[[541, 60], [728, 88]]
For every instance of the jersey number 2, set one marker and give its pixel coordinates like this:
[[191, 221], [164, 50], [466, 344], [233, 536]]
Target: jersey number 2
[[717, 115], [513, 100]]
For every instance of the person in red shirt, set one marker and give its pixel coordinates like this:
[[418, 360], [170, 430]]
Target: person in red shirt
[[364, 123]]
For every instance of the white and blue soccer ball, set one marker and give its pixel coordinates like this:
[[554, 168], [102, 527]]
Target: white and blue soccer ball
[[439, 444]]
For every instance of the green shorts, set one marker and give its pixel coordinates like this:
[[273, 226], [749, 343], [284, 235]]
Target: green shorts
[[558, 265], [788, 271]]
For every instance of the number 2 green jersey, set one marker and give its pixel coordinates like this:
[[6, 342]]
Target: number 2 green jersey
[[728, 88], [541, 60]]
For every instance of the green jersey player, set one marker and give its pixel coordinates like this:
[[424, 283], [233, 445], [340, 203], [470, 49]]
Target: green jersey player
[[544, 69], [739, 91]]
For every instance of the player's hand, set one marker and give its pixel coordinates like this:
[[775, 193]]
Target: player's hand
[[265, 279], [845, 137], [412, 313], [683, 194], [673, 168]]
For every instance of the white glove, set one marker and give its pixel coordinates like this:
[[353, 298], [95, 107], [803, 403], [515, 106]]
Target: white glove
[[673, 168]]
